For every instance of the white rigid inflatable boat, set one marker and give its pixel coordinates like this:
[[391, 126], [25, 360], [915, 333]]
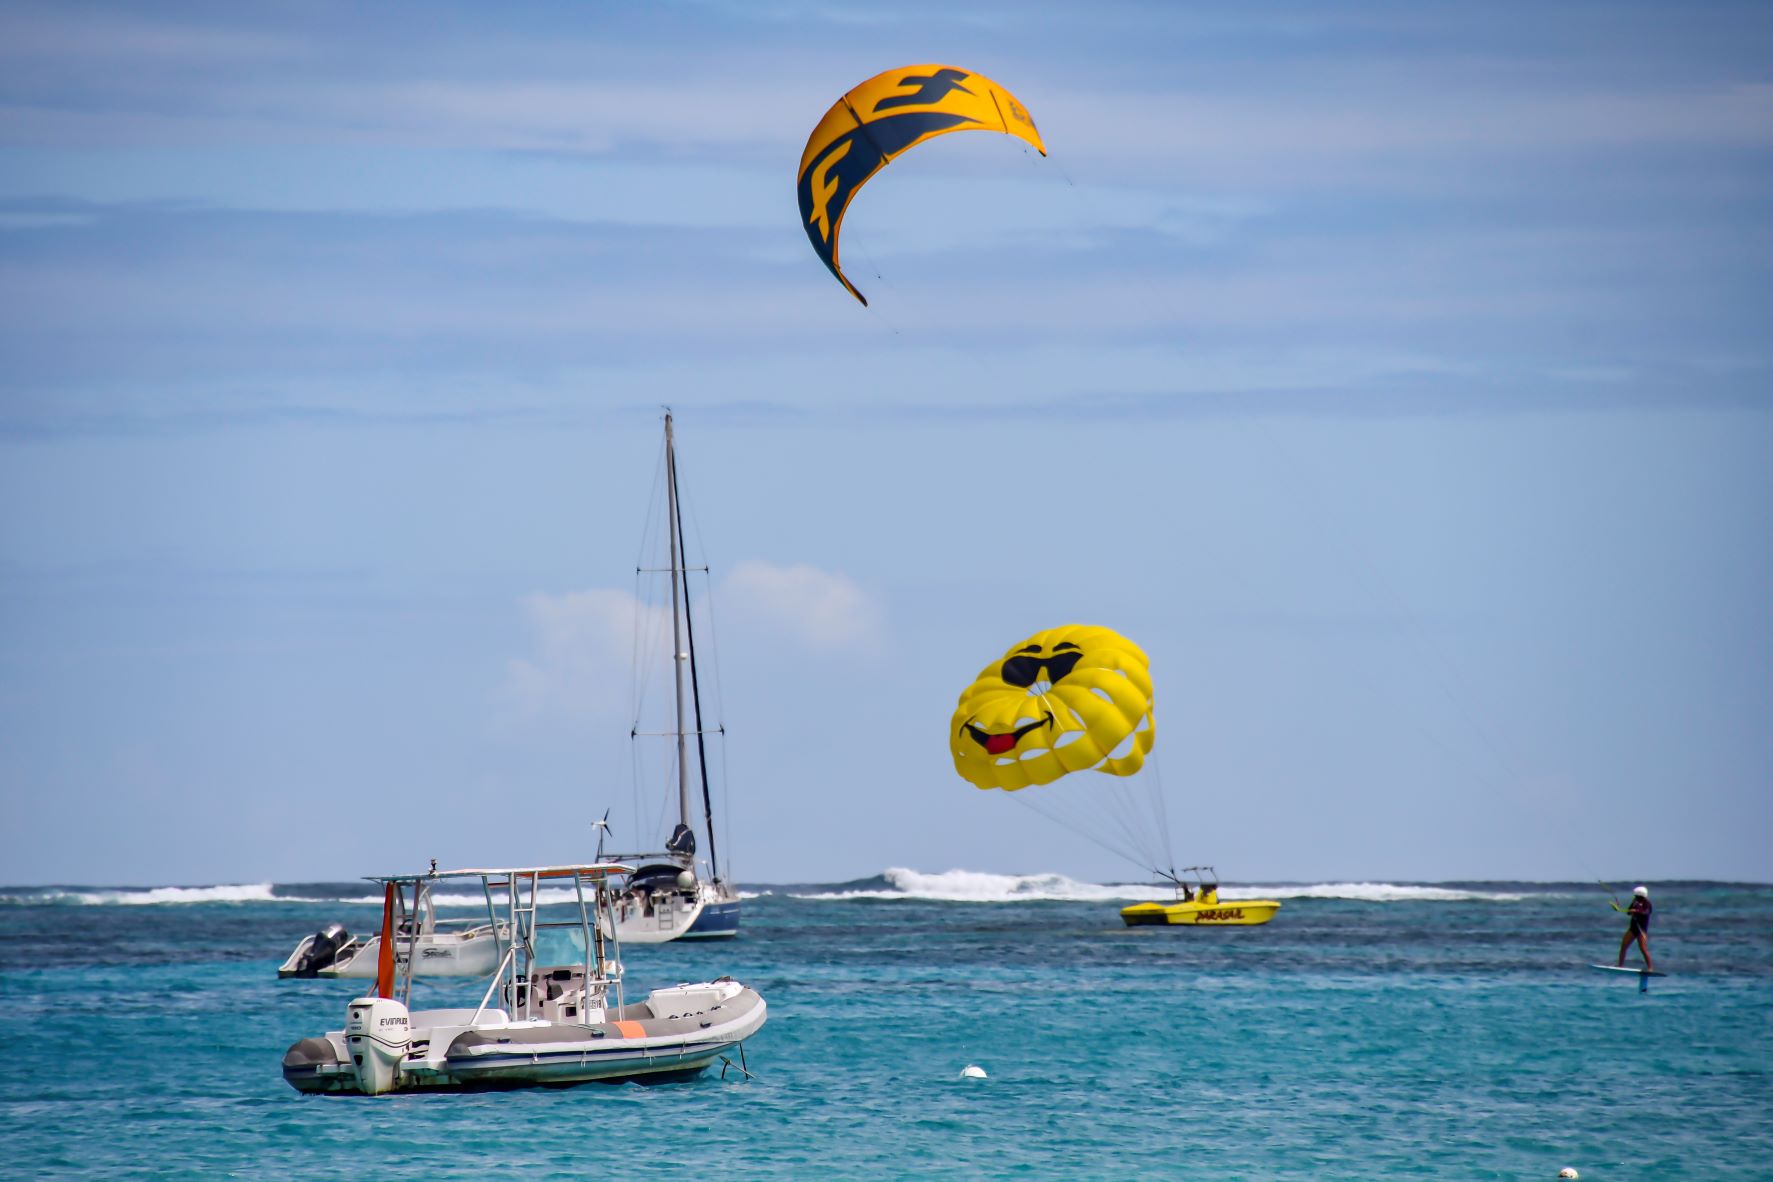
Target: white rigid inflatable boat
[[551, 1024]]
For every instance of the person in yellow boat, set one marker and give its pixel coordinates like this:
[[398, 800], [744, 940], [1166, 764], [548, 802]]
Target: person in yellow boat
[[1639, 914]]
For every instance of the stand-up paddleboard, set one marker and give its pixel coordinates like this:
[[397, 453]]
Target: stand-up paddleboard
[[1643, 975]]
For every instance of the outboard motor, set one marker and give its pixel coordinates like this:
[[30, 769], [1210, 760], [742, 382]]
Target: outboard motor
[[322, 949], [377, 1031]]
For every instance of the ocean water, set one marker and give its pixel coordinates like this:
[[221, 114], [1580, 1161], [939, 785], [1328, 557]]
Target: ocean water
[[1371, 1031]]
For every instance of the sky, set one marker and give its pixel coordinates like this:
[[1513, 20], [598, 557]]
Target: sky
[[1396, 375]]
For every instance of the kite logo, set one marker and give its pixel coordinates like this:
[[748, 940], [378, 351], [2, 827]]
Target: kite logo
[[823, 186], [931, 89]]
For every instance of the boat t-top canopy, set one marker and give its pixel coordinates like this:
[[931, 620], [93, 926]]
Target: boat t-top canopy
[[515, 932], [586, 870]]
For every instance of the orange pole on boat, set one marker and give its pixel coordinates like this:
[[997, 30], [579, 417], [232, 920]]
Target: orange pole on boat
[[385, 962]]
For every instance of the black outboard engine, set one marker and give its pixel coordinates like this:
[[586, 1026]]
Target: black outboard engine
[[682, 841], [322, 949]]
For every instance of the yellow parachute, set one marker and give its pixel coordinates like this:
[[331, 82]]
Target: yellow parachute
[[1064, 700], [880, 120]]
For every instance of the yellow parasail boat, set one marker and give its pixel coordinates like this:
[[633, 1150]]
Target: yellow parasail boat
[[1202, 907]]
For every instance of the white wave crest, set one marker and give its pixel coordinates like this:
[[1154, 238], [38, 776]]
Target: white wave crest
[[547, 896], [973, 886], [1370, 892], [952, 886], [258, 892]]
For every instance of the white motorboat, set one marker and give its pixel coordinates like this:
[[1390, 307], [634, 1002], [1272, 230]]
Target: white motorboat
[[537, 1022], [436, 947]]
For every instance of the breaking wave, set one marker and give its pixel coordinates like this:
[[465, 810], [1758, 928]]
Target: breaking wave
[[973, 886], [258, 892], [340, 895], [1373, 892], [546, 897], [895, 883]]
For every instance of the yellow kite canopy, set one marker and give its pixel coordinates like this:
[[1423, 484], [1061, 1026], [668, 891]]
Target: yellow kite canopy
[[1064, 700], [879, 121]]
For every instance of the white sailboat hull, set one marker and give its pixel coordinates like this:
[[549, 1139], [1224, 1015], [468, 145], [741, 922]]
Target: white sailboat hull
[[712, 912]]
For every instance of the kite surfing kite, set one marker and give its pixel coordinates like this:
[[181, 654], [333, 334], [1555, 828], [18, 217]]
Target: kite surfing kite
[[878, 121], [1069, 699]]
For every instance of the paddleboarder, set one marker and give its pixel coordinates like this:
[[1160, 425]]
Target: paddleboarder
[[1639, 914]]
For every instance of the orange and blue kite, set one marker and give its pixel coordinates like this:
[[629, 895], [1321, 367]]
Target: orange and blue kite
[[878, 121]]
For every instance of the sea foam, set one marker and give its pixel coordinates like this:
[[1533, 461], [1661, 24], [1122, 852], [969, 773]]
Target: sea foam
[[258, 892], [975, 886], [894, 883], [1371, 892]]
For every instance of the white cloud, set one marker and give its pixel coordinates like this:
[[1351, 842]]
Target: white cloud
[[593, 648], [586, 645], [825, 612]]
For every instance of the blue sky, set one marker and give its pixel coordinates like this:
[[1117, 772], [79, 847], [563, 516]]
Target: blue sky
[[1396, 375]]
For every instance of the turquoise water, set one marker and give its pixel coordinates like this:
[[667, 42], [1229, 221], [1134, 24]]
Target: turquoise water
[[1394, 1032]]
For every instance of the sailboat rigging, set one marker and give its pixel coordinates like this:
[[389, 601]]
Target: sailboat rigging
[[666, 899]]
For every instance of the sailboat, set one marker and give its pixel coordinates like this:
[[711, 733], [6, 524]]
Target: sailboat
[[661, 895], [673, 894]]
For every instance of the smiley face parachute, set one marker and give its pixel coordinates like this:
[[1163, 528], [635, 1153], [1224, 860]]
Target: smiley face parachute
[[879, 121], [1065, 700]]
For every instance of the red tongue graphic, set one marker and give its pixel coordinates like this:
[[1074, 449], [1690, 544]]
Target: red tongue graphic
[[998, 744]]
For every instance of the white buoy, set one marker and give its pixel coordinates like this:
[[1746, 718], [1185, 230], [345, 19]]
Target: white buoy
[[973, 1071], [1568, 1172]]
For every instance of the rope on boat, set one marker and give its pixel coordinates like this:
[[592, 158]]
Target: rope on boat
[[740, 1066]]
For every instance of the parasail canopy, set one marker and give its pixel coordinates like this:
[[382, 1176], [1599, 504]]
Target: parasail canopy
[[1065, 700]]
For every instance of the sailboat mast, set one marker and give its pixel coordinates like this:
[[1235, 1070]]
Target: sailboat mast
[[677, 654], [689, 632]]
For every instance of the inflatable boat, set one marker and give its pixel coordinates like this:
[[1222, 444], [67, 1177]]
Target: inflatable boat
[[536, 1024]]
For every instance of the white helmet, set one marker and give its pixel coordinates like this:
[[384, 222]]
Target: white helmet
[[1642, 892]]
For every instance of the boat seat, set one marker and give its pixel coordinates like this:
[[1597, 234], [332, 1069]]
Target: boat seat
[[552, 983]]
